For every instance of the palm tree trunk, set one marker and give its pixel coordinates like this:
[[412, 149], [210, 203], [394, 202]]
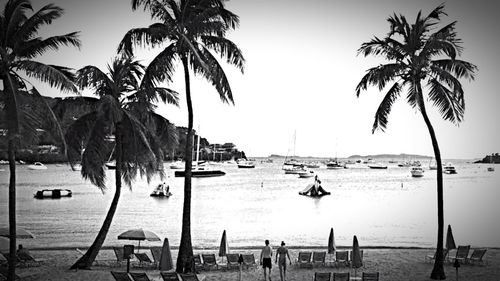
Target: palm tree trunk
[[13, 134], [85, 262], [438, 270], [12, 210], [184, 258]]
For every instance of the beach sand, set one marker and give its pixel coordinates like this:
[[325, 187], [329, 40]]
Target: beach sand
[[392, 264]]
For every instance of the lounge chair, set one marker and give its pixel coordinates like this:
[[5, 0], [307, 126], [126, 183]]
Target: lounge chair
[[198, 265], [430, 258], [25, 259], [156, 253], [341, 276], [209, 261], [170, 276], [232, 261], [322, 276], [189, 277], [139, 276], [119, 255], [249, 260], [304, 259], [121, 276], [462, 254], [342, 257], [318, 258], [143, 259], [477, 256], [369, 276]]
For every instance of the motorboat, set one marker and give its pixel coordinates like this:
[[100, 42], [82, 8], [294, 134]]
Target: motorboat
[[53, 193], [295, 170], [312, 165], [111, 165], [306, 174], [201, 172], [417, 172], [449, 169], [491, 169], [37, 166], [161, 190], [377, 165], [246, 164], [177, 165]]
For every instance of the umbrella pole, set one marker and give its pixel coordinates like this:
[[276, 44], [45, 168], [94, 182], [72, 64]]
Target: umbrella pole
[[139, 246]]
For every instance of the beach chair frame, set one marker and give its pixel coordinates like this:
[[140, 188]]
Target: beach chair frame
[[249, 261], [189, 277], [319, 258], [232, 261], [341, 257], [121, 276], [477, 257], [144, 260], [169, 276], [341, 276], [370, 276], [322, 276], [139, 276], [209, 261], [304, 260], [462, 254]]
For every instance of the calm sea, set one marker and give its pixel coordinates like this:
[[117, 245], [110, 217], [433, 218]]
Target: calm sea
[[382, 207]]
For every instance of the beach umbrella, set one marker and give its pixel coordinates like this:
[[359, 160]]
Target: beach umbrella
[[356, 261], [139, 234], [450, 242], [20, 233], [166, 257], [224, 246], [331, 242]]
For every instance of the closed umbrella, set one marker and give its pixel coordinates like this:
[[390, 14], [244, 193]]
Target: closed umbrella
[[20, 233], [224, 246], [331, 242], [450, 242], [139, 235], [357, 262], [166, 257]]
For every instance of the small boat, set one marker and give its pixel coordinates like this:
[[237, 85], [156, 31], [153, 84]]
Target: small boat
[[161, 190], [306, 174], [294, 170], [417, 172], [111, 165], [201, 172], [312, 165], [491, 169], [449, 169], [37, 166], [246, 164], [177, 165], [53, 193], [308, 192], [334, 164], [377, 165]]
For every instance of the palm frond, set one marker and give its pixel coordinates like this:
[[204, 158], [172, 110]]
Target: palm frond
[[30, 27], [460, 68], [54, 75], [379, 76], [227, 49], [153, 35], [37, 46], [384, 109], [92, 77], [414, 95], [15, 16], [449, 103], [161, 68]]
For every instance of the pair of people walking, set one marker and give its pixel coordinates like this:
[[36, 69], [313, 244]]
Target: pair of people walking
[[281, 255]]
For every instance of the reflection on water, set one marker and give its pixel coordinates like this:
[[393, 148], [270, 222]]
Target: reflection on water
[[381, 207]]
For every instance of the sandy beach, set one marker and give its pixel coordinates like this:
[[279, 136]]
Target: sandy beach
[[392, 264]]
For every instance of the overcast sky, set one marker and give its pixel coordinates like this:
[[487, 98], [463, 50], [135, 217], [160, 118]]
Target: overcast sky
[[301, 73]]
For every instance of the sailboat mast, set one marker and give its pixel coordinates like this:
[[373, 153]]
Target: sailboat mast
[[198, 150]]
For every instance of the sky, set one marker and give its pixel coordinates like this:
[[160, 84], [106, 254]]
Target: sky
[[300, 76]]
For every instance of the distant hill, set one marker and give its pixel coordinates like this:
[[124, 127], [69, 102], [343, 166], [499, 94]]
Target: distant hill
[[390, 156]]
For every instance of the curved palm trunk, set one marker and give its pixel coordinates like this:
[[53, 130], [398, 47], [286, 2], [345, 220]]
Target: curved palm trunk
[[184, 258], [85, 262], [438, 270]]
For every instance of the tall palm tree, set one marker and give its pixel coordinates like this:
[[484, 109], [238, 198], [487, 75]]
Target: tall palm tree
[[124, 110], [19, 48], [192, 30], [420, 56]]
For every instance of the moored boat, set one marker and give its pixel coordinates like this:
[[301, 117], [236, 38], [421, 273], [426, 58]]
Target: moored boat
[[246, 164], [417, 172], [201, 172], [306, 174], [161, 190], [177, 165], [449, 169], [334, 164], [37, 166], [53, 193], [377, 165]]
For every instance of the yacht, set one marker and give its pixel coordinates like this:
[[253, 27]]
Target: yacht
[[449, 169], [377, 165], [246, 164], [334, 164], [37, 166]]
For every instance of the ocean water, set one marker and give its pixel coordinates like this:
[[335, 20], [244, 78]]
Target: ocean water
[[382, 207]]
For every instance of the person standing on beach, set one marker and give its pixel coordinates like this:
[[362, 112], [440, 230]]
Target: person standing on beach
[[282, 253], [265, 259]]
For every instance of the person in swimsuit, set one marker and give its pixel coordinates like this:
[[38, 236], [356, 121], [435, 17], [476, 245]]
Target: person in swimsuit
[[282, 254], [265, 259]]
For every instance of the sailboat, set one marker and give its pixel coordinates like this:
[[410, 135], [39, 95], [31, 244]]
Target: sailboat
[[292, 166], [200, 171]]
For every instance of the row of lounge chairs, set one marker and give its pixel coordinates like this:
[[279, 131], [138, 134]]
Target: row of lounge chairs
[[311, 259], [23, 259], [462, 256], [344, 276], [209, 261], [142, 276]]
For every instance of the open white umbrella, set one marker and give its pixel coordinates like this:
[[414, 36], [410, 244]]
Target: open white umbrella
[[139, 235], [20, 233], [450, 242]]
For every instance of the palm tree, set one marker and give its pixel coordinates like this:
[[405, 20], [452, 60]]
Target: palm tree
[[19, 48], [124, 111], [192, 30], [421, 56]]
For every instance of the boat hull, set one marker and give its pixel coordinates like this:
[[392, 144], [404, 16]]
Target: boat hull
[[53, 193], [200, 173]]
